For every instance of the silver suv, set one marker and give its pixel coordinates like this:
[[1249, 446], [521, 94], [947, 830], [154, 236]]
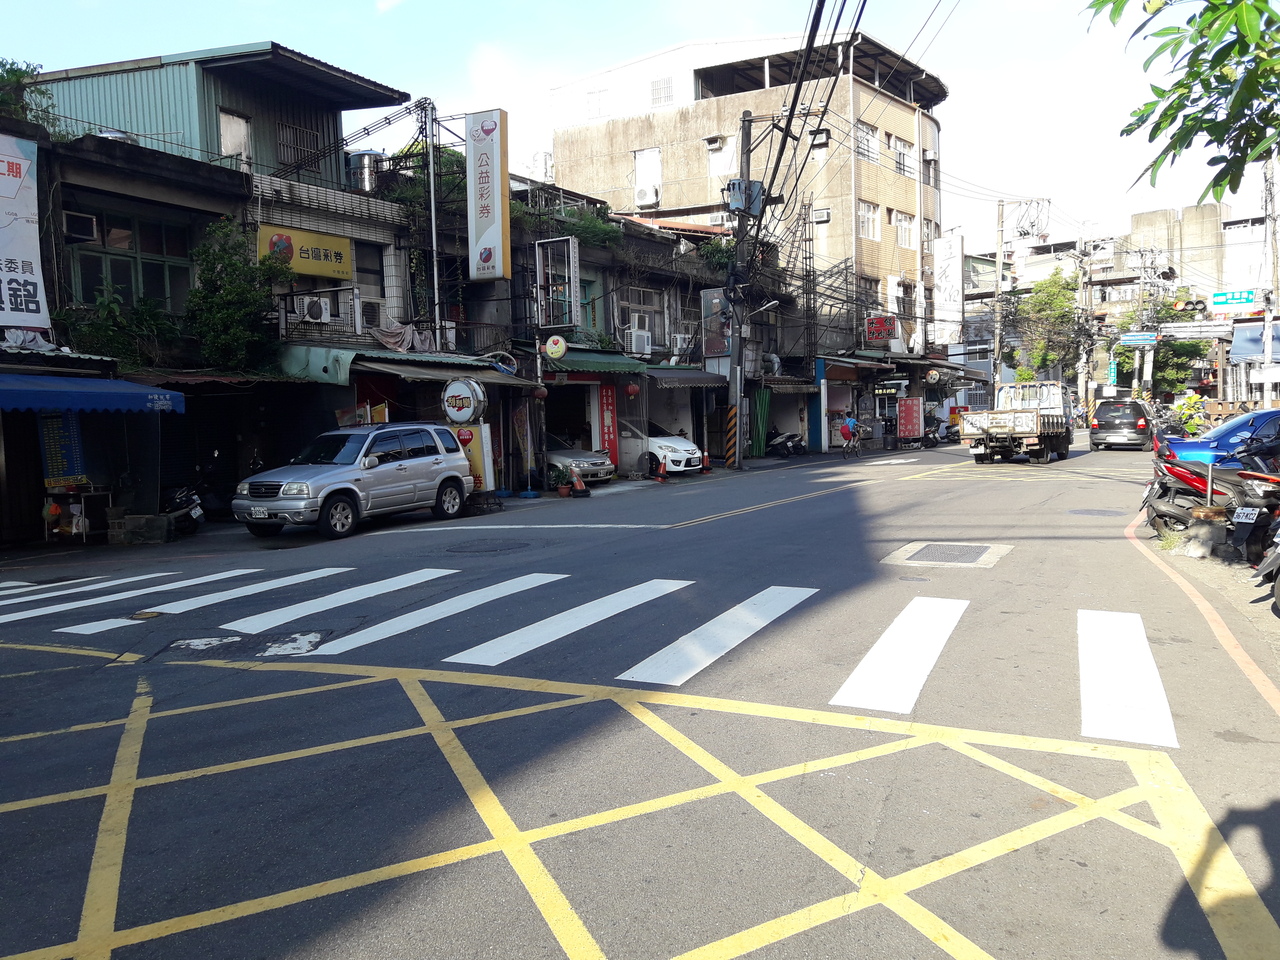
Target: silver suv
[[354, 472]]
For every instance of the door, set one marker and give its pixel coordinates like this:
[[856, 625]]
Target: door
[[425, 463], [390, 484]]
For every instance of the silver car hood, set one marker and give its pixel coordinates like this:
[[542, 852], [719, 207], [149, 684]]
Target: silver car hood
[[301, 472]]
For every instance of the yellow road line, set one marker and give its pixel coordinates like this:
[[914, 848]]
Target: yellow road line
[[565, 924], [98, 916], [74, 651]]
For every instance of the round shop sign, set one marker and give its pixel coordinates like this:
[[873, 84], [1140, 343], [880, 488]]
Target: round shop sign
[[556, 346], [463, 400], [465, 436]]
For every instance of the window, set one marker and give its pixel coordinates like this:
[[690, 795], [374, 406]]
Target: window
[[296, 144], [142, 259], [928, 233], [233, 138], [868, 220], [368, 273], [906, 227], [640, 308], [929, 174], [902, 150], [906, 299], [868, 296], [868, 141], [928, 303], [386, 447], [448, 441], [660, 92]]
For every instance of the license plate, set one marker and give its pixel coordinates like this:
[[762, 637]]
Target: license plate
[[258, 513], [1245, 515], [197, 512], [1115, 437], [1146, 491]]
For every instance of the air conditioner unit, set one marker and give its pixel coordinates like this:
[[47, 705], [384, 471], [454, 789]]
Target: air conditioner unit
[[930, 154], [822, 215], [681, 343], [637, 343], [646, 197], [373, 311], [80, 227], [721, 219], [312, 309]]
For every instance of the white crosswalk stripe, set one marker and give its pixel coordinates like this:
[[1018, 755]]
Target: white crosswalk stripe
[[1121, 694], [892, 674], [698, 649], [539, 634], [274, 618], [208, 600], [125, 595], [10, 587], [437, 611], [103, 585]]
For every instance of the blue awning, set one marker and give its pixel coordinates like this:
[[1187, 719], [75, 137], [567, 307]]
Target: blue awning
[[20, 391]]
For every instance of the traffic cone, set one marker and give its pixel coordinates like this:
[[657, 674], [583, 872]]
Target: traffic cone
[[580, 489], [661, 476], [706, 463]]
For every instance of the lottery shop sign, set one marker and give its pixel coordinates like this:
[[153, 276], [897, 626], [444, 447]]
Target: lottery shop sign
[[314, 254], [22, 295]]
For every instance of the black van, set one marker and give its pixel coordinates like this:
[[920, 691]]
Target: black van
[[1122, 423]]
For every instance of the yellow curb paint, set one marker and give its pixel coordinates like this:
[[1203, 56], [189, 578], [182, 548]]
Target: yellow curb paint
[[73, 651]]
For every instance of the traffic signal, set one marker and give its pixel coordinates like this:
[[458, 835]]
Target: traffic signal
[[1189, 306]]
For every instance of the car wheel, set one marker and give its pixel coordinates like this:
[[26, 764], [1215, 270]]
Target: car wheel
[[264, 529], [1147, 445], [448, 501], [652, 464], [338, 516]]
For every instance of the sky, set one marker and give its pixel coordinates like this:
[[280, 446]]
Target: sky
[[1038, 92]]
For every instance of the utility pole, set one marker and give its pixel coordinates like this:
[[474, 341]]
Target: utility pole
[[997, 312], [734, 445], [1268, 385]]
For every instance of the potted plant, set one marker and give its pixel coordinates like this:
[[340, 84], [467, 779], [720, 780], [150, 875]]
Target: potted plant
[[560, 478]]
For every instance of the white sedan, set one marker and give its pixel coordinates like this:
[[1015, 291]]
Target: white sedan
[[680, 453], [594, 466]]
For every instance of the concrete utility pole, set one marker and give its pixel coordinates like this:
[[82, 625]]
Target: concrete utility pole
[[734, 445], [997, 312]]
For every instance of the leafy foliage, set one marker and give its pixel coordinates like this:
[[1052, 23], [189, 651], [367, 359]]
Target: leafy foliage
[[1174, 360], [718, 254], [225, 312], [1225, 60], [22, 101], [137, 335]]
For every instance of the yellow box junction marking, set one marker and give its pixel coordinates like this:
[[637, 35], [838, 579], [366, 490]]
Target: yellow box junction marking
[[1237, 915]]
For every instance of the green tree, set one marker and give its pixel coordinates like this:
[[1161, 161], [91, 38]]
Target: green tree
[[226, 311], [1224, 61], [1174, 359], [1047, 323]]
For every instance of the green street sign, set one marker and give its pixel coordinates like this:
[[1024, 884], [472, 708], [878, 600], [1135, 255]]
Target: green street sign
[[1234, 298]]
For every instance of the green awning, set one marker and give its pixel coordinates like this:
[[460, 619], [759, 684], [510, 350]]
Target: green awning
[[594, 361]]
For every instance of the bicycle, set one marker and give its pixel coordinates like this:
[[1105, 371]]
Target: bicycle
[[853, 444]]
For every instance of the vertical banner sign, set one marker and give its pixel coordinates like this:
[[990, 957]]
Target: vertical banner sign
[[948, 289], [22, 296], [609, 420], [717, 323], [911, 418], [488, 196], [60, 449]]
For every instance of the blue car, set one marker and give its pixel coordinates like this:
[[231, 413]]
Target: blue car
[[1216, 445]]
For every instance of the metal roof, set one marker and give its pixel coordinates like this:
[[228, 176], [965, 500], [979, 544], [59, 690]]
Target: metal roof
[[269, 63]]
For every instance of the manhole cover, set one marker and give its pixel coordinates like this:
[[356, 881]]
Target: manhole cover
[[488, 546], [949, 553], [1097, 513]]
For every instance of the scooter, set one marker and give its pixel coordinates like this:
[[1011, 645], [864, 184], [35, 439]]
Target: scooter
[[1268, 571], [183, 505], [783, 444]]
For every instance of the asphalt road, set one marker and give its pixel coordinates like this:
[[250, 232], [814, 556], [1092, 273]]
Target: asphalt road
[[899, 707]]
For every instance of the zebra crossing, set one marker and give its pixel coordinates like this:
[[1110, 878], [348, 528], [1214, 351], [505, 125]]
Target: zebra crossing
[[1121, 694]]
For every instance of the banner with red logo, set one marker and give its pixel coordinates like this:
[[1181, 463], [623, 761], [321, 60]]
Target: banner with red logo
[[609, 420], [488, 196], [23, 302]]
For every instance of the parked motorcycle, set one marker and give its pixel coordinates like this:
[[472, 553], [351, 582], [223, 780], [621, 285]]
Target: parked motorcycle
[[930, 438], [1268, 572], [182, 504], [1250, 497], [783, 445]]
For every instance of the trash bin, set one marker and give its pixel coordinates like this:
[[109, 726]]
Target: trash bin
[[890, 442]]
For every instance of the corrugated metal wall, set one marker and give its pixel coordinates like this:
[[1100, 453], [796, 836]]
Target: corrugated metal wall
[[158, 104]]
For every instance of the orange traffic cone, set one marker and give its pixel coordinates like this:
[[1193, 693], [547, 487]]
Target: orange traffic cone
[[662, 470], [580, 489], [706, 463]]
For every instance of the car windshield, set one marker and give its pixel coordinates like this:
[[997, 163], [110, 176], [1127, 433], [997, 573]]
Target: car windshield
[[556, 444], [657, 431], [1235, 427], [332, 448]]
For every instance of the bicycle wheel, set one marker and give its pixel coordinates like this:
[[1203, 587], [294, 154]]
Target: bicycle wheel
[[844, 449], [857, 446]]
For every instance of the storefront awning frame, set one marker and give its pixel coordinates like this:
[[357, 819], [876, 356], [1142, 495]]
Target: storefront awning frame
[[441, 373], [673, 378], [32, 392]]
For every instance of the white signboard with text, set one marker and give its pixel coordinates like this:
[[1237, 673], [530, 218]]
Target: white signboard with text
[[488, 196], [22, 295]]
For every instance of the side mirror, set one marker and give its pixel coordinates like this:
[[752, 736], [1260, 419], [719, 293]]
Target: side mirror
[[369, 462]]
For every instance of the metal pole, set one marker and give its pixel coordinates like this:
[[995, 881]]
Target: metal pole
[[435, 251], [1268, 385]]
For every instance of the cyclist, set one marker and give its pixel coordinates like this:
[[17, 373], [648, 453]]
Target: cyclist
[[852, 436]]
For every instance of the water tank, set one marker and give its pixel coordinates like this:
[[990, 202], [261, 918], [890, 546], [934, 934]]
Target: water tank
[[362, 169]]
